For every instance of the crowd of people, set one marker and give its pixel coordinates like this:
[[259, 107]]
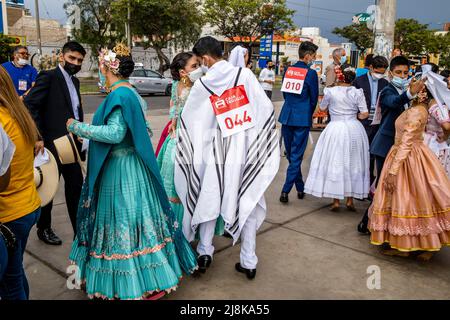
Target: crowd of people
[[135, 212]]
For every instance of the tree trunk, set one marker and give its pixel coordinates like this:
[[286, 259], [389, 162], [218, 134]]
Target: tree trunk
[[164, 61]]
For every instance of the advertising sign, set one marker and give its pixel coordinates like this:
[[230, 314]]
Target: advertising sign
[[265, 50]]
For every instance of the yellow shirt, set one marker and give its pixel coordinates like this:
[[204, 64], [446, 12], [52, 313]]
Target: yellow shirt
[[20, 197]]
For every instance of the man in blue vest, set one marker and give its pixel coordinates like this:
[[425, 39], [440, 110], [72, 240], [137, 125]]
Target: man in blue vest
[[296, 117]]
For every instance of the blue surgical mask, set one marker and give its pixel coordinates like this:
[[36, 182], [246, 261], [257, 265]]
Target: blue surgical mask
[[343, 59], [400, 82]]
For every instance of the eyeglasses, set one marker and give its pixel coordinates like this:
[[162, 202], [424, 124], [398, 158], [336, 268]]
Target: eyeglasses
[[24, 54]]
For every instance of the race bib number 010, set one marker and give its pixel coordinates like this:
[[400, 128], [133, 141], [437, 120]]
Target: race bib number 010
[[233, 111], [294, 80]]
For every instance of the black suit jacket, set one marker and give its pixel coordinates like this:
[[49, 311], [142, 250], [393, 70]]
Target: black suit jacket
[[50, 106], [362, 82]]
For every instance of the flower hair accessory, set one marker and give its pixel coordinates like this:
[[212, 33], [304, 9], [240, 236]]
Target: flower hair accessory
[[109, 58]]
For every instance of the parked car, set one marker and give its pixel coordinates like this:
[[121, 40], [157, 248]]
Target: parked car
[[149, 82]]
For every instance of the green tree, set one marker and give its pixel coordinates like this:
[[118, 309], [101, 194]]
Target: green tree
[[98, 27], [412, 37], [361, 36], [5, 48], [248, 18], [443, 50], [162, 22]]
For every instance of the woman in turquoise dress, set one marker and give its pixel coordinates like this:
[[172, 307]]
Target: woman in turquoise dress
[[185, 70], [124, 246]]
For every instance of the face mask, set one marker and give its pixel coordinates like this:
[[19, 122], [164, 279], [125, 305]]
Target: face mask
[[22, 62], [102, 79], [343, 59], [71, 68], [377, 76], [195, 75], [399, 82]]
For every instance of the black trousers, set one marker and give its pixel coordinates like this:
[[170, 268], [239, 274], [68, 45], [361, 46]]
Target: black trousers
[[380, 164], [73, 182]]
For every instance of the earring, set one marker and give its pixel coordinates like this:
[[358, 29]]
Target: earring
[[184, 80]]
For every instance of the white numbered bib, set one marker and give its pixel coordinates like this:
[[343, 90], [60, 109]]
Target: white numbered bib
[[294, 80], [233, 111]]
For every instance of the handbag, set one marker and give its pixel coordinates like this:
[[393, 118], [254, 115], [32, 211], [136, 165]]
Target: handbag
[[9, 236]]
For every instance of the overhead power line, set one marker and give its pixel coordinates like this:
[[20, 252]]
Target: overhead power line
[[320, 8]]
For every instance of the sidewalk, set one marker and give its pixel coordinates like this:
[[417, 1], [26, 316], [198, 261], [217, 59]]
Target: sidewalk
[[304, 250]]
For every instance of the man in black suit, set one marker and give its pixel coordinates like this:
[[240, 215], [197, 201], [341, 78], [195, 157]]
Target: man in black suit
[[394, 99], [372, 84], [54, 99]]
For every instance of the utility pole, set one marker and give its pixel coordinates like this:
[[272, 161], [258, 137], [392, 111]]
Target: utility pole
[[385, 27], [38, 27], [128, 28], [5, 17]]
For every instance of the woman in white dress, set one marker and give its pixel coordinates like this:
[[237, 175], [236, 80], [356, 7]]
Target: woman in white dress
[[340, 164]]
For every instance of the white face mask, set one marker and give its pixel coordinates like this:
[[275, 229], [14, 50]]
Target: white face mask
[[22, 62], [196, 74], [378, 76]]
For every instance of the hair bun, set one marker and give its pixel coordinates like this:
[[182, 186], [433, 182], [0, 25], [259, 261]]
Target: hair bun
[[126, 66]]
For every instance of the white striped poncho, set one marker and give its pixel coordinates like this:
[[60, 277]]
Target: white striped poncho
[[225, 176]]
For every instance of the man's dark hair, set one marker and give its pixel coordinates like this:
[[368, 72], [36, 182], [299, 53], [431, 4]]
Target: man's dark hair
[[399, 61], [368, 60], [74, 47], [17, 48], [208, 46], [305, 48], [380, 62], [445, 73]]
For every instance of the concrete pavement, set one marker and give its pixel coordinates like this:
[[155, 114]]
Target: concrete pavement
[[304, 250]]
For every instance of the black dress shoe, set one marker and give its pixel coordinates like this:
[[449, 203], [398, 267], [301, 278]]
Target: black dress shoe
[[300, 195], [362, 228], [284, 198], [203, 263], [250, 273], [49, 237]]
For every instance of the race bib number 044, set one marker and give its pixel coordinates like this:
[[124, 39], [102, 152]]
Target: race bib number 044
[[233, 111], [294, 80]]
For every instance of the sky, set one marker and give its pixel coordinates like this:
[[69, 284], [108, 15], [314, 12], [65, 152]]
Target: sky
[[338, 13]]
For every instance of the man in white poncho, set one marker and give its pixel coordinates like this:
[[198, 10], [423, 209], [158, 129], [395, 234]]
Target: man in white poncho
[[227, 156]]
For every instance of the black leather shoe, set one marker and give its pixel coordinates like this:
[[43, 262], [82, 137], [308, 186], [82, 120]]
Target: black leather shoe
[[362, 228], [203, 263], [250, 273], [300, 195], [49, 237], [284, 198]]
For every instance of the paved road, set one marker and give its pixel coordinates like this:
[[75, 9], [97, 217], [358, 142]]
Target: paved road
[[155, 102], [304, 250]]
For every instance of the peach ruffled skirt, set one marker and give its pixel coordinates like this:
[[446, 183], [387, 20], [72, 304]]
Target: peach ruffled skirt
[[416, 216]]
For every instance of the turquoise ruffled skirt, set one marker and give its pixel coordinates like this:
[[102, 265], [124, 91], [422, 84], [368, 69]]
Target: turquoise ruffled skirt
[[166, 162], [132, 252]]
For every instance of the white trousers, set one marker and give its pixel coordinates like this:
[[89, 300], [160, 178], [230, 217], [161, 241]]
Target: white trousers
[[248, 258]]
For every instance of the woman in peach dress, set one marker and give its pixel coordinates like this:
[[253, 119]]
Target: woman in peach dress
[[411, 208]]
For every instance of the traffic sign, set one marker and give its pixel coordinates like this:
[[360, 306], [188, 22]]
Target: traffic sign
[[18, 40]]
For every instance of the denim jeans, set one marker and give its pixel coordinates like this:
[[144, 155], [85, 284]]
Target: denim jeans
[[3, 257], [14, 285]]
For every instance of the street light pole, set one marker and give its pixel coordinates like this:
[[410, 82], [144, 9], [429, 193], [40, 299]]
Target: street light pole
[[38, 27], [128, 24], [5, 17], [385, 27]]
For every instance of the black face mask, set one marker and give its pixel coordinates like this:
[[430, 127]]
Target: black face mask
[[71, 68], [270, 67]]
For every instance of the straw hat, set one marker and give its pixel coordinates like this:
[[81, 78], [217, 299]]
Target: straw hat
[[67, 150], [46, 178]]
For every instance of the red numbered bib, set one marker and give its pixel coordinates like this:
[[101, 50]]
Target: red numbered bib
[[233, 111], [294, 80]]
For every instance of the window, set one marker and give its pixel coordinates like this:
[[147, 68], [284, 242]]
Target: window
[[152, 74], [138, 73]]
